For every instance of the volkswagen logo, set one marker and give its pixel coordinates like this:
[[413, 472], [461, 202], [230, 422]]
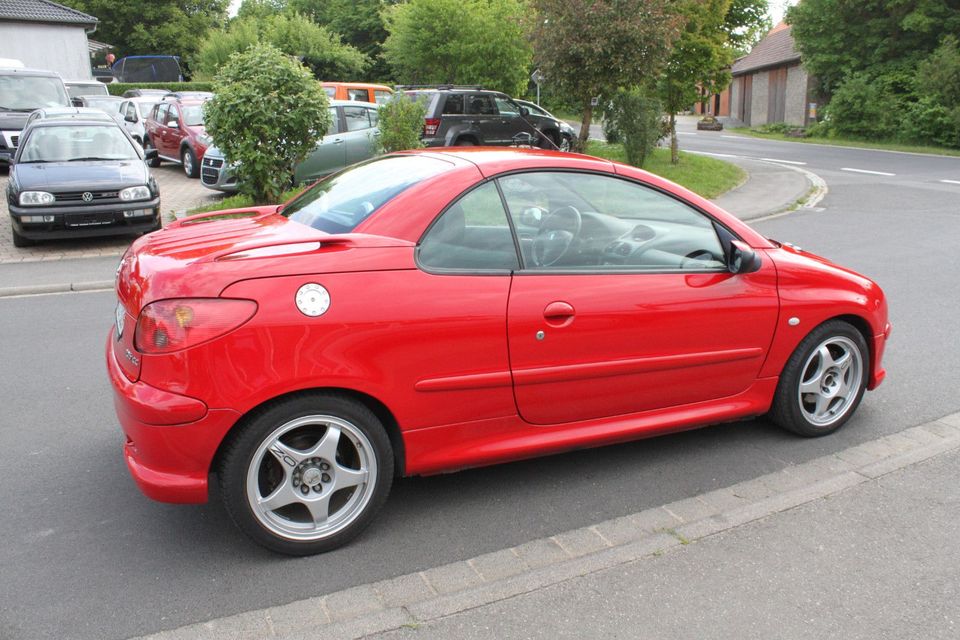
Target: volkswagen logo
[[87, 196]]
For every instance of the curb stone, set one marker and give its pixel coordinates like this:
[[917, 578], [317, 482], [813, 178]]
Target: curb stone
[[438, 592]]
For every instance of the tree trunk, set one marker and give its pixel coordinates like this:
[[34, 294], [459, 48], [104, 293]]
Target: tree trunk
[[674, 146], [580, 144]]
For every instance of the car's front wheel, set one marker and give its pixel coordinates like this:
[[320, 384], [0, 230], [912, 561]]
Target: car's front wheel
[[189, 160], [308, 474], [823, 381]]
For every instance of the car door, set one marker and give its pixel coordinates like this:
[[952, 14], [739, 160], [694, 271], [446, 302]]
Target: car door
[[359, 133], [157, 125], [510, 127], [329, 155], [482, 117], [174, 132], [624, 303]]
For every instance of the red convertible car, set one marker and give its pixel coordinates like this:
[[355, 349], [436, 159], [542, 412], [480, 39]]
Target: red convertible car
[[435, 310]]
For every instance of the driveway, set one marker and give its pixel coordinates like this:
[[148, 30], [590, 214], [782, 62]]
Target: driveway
[[177, 192]]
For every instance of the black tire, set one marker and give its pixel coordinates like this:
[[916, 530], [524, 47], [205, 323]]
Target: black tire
[[20, 241], [817, 363], [190, 165], [147, 145], [464, 142], [549, 140], [292, 528]]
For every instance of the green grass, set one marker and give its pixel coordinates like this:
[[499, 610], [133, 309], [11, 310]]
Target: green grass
[[708, 177], [851, 142]]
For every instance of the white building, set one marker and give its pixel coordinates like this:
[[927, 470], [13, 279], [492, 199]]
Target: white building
[[46, 35]]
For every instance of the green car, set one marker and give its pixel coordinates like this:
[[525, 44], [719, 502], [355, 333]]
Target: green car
[[351, 138]]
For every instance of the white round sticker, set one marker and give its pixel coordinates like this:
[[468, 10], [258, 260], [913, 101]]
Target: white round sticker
[[313, 300]]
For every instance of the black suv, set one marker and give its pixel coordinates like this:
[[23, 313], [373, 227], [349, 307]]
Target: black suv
[[467, 116]]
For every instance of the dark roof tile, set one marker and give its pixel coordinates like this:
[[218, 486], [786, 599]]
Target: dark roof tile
[[43, 11], [776, 48]]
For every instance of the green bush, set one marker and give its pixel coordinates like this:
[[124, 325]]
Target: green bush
[[637, 120], [400, 123], [267, 115], [818, 130], [862, 108], [118, 88], [927, 122]]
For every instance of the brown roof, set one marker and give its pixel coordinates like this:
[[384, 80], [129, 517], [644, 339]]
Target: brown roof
[[776, 48]]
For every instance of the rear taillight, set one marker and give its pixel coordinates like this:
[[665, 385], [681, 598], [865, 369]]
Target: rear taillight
[[430, 126], [171, 325]]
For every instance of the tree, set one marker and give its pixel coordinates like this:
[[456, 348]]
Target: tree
[[460, 42], [268, 112], [172, 27], [293, 34], [745, 23], [359, 22], [591, 47], [400, 123], [700, 60]]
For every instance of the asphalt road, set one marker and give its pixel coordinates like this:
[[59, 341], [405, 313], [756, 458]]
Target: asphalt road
[[85, 555]]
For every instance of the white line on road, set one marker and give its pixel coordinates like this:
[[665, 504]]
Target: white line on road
[[875, 173], [783, 161], [951, 181], [733, 137], [718, 155], [686, 133]]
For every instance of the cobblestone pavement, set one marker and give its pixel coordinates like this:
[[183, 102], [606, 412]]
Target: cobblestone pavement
[[177, 192]]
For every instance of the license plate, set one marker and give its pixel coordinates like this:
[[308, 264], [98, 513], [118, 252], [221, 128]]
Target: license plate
[[89, 220]]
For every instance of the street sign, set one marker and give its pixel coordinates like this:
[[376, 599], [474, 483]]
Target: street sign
[[536, 76]]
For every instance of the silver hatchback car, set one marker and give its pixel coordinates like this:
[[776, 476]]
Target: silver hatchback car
[[351, 138]]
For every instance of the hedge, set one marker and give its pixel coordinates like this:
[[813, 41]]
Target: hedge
[[118, 88]]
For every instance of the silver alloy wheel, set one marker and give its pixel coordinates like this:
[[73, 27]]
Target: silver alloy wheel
[[187, 158], [564, 144], [830, 381], [311, 477]]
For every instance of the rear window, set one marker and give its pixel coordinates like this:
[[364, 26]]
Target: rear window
[[344, 200]]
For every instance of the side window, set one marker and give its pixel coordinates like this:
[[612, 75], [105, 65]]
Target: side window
[[453, 105], [331, 92], [594, 222], [374, 116], [381, 96], [357, 118], [358, 95], [172, 113], [131, 111], [334, 121], [505, 107], [480, 104], [473, 234], [160, 113]]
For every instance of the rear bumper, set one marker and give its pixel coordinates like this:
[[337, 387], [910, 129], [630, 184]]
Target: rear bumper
[[170, 439]]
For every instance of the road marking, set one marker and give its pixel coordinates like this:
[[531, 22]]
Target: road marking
[[951, 181], [733, 137], [783, 161], [718, 155], [875, 173], [686, 133]]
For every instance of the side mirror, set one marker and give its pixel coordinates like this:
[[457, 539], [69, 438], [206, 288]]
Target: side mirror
[[149, 154], [524, 112], [131, 118], [742, 259], [77, 102]]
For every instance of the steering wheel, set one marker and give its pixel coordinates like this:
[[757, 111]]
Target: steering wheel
[[696, 259], [557, 232]]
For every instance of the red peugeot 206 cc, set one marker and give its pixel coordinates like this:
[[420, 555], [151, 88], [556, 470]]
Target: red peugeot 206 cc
[[430, 311]]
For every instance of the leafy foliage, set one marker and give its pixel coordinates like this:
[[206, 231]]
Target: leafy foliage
[[460, 42], [295, 35], [400, 123], [118, 88], [267, 115], [171, 27], [590, 47], [635, 119]]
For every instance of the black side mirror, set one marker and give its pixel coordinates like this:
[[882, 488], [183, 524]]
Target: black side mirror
[[524, 112], [150, 154], [77, 102], [742, 259], [131, 118]]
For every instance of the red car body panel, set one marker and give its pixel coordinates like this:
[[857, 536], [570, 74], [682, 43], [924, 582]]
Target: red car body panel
[[449, 361]]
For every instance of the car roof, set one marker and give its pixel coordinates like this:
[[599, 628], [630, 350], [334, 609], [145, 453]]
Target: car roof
[[353, 103], [356, 85], [75, 122], [89, 83], [15, 71]]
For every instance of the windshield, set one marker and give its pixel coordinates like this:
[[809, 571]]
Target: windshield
[[75, 143], [77, 90], [27, 93], [343, 201], [193, 115]]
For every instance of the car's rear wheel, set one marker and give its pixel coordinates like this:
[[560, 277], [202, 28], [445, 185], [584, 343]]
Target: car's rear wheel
[[308, 474], [823, 381], [189, 160], [155, 161], [464, 142], [548, 140], [20, 241]]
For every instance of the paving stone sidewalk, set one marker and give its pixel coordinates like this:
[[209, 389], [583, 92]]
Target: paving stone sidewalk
[[177, 192], [555, 587]]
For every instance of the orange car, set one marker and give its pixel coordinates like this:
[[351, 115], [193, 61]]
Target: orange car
[[358, 91]]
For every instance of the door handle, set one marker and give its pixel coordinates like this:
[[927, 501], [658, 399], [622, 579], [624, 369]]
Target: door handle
[[559, 314], [338, 141]]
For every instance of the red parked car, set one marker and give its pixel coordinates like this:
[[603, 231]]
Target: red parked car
[[435, 310], [175, 129]]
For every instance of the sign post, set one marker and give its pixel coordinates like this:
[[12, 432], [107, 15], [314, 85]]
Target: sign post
[[537, 78]]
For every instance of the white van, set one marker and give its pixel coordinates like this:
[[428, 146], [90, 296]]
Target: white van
[[22, 91]]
